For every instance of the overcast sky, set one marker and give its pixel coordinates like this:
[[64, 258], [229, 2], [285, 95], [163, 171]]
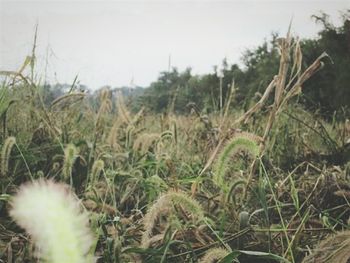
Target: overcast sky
[[111, 42]]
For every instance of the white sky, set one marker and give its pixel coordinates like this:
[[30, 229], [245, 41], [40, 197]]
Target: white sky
[[108, 42]]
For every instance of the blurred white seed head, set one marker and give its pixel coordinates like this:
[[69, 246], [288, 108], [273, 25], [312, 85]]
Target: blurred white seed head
[[50, 213]]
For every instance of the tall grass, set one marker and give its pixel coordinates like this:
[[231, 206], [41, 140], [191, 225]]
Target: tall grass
[[229, 186]]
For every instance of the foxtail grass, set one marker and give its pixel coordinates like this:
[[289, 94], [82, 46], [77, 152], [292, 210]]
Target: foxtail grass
[[70, 155], [49, 213], [214, 255], [242, 141], [334, 249], [97, 168], [164, 205], [5, 154]]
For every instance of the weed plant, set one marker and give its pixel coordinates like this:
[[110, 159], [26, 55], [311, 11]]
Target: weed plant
[[265, 185]]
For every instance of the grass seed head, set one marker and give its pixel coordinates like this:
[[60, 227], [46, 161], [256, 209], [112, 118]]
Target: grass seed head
[[163, 205], [214, 255], [97, 167], [49, 212], [70, 155], [5, 154], [242, 141]]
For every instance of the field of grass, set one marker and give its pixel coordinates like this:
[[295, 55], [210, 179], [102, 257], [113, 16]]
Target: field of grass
[[271, 184]]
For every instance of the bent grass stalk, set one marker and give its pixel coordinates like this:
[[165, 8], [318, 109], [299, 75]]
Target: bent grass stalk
[[162, 206], [243, 141]]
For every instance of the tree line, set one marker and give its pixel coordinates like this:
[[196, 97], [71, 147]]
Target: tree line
[[328, 92]]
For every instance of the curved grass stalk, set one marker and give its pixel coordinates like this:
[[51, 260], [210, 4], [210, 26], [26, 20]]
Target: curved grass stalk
[[242, 141], [164, 205]]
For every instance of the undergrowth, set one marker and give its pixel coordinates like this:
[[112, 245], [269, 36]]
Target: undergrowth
[[168, 188]]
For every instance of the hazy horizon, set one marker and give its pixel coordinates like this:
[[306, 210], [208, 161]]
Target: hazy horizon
[[112, 42]]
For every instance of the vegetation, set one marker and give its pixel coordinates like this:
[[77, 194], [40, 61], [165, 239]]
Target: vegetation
[[328, 93], [243, 171]]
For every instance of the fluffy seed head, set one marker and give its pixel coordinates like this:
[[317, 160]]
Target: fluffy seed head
[[97, 167], [70, 154], [214, 255], [5, 154], [49, 212], [243, 141], [163, 206]]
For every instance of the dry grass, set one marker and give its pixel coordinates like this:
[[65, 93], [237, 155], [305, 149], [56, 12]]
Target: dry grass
[[148, 181]]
